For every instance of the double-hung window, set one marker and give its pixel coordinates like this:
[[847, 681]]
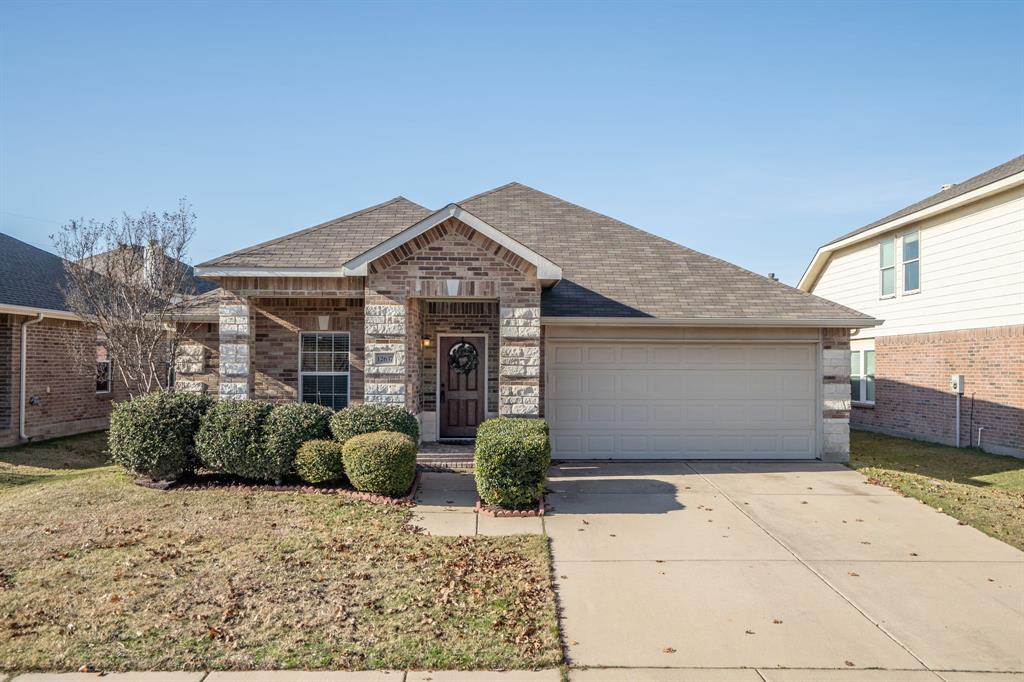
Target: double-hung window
[[912, 263], [887, 267], [324, 368], [862, 376]]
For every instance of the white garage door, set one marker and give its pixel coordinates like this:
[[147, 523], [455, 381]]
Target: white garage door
[[666, 400]]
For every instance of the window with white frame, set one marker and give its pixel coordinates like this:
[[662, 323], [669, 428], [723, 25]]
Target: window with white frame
[[862, 375], [887, 267], [324, 368], [104, 377], [911, 262]]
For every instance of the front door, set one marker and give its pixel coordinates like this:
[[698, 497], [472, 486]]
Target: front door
[[462, 365]]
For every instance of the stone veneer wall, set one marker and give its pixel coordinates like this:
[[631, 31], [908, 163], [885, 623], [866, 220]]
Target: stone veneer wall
[[235, 329], [835, 345], [197, 365], [912, 396]]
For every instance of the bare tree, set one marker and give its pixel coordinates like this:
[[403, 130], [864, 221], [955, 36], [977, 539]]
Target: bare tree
[[125, 279]]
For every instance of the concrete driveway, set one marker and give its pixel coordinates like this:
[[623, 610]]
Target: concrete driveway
[[664, 567]]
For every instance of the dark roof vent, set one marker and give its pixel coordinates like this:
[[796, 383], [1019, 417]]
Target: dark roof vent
[[948, 185]]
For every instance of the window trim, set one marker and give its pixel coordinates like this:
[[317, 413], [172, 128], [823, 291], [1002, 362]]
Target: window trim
[[862, 398], [110, 376], [881, 269], [348, 374], [904, 261]]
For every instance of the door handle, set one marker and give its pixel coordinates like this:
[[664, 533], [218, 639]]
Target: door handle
[[442, 395]]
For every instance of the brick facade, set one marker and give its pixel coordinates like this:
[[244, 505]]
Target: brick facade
[[61, 382], [912, 396]]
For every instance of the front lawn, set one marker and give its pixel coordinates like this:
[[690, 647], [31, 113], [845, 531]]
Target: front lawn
[[984, 491], [96, 570]]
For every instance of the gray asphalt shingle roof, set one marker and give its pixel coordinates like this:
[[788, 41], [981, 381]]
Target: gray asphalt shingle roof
[[610, 269], [1005, 170], [30, 276]]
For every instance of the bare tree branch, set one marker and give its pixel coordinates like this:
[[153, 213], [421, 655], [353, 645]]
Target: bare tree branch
[[125, 278]]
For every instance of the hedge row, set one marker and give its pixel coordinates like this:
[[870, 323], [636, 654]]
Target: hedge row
[[168, 435]]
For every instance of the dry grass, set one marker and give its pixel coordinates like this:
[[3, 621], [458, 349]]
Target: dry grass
[[982, 490], [97, 570]]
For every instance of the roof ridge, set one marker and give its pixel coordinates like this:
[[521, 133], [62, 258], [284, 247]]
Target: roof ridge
[[491, 191], [682, 247], [314, 228]]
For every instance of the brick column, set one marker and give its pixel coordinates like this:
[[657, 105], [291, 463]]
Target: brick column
[[835, 408], [236, 326], [385, 354], [519, 362]]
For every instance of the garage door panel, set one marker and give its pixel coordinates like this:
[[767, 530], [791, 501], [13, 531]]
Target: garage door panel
[[682, 400]]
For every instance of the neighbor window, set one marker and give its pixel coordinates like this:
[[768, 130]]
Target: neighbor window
[[323, 369], [862, 376], [887, 266], [103, 373], [911, 262]]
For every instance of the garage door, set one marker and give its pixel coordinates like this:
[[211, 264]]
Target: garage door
[[668, 400]]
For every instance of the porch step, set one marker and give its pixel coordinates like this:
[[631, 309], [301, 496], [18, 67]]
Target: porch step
[[445, 456]]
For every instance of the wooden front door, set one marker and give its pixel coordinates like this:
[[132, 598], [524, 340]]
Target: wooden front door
[[461, 389]]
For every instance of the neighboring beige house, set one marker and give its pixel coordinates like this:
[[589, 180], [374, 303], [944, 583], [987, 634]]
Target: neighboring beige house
[[515, 302], [947, 277]]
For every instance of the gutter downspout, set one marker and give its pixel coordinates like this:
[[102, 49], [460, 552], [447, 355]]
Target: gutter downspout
[[24, 358]]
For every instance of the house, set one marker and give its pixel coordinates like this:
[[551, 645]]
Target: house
[[515, 302], [47, 389], [947, 276]]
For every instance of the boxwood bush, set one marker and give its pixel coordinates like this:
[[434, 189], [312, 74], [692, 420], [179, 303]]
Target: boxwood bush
[[355, 420], [511, 461], [153, 435], [288, 426], [320, 461], [230, 440], [383, 462]]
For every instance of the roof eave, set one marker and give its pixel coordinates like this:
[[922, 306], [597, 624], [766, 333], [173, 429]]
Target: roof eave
[[839, 322], [821, 256], [12, 309]]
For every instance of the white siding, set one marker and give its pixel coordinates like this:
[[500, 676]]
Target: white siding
[[972, 272]]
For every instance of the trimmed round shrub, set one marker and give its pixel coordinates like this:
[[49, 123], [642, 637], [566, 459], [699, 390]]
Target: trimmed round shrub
[[511, 461], [153, 435], [230, 440], [383, 462], [288, 426], [356, 420], [320, 461]]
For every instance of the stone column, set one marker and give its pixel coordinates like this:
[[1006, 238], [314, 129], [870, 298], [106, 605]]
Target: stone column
[[385, 355], [236, 327], [519, 362], [835, 408]]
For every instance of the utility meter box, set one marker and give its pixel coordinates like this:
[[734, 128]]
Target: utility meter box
[[956, 383]]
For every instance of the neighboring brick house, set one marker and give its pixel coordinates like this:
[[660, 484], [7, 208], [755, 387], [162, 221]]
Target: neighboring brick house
[[947, 276], [64, 393], [515, 302], [61, 395]]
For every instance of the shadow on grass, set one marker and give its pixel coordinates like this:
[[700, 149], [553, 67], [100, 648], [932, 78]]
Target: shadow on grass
[[84, 451], [969, 466]]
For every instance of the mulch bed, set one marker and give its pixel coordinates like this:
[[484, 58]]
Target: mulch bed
[[501, 512], [233, 483]]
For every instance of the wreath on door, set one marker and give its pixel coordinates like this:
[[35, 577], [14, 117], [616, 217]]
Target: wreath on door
[[463, 357]]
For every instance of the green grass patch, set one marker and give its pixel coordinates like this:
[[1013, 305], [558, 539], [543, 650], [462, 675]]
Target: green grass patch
[[99, 571], [984, 491]]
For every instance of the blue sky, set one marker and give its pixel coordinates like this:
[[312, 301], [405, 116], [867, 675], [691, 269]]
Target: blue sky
[[754, 132]]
